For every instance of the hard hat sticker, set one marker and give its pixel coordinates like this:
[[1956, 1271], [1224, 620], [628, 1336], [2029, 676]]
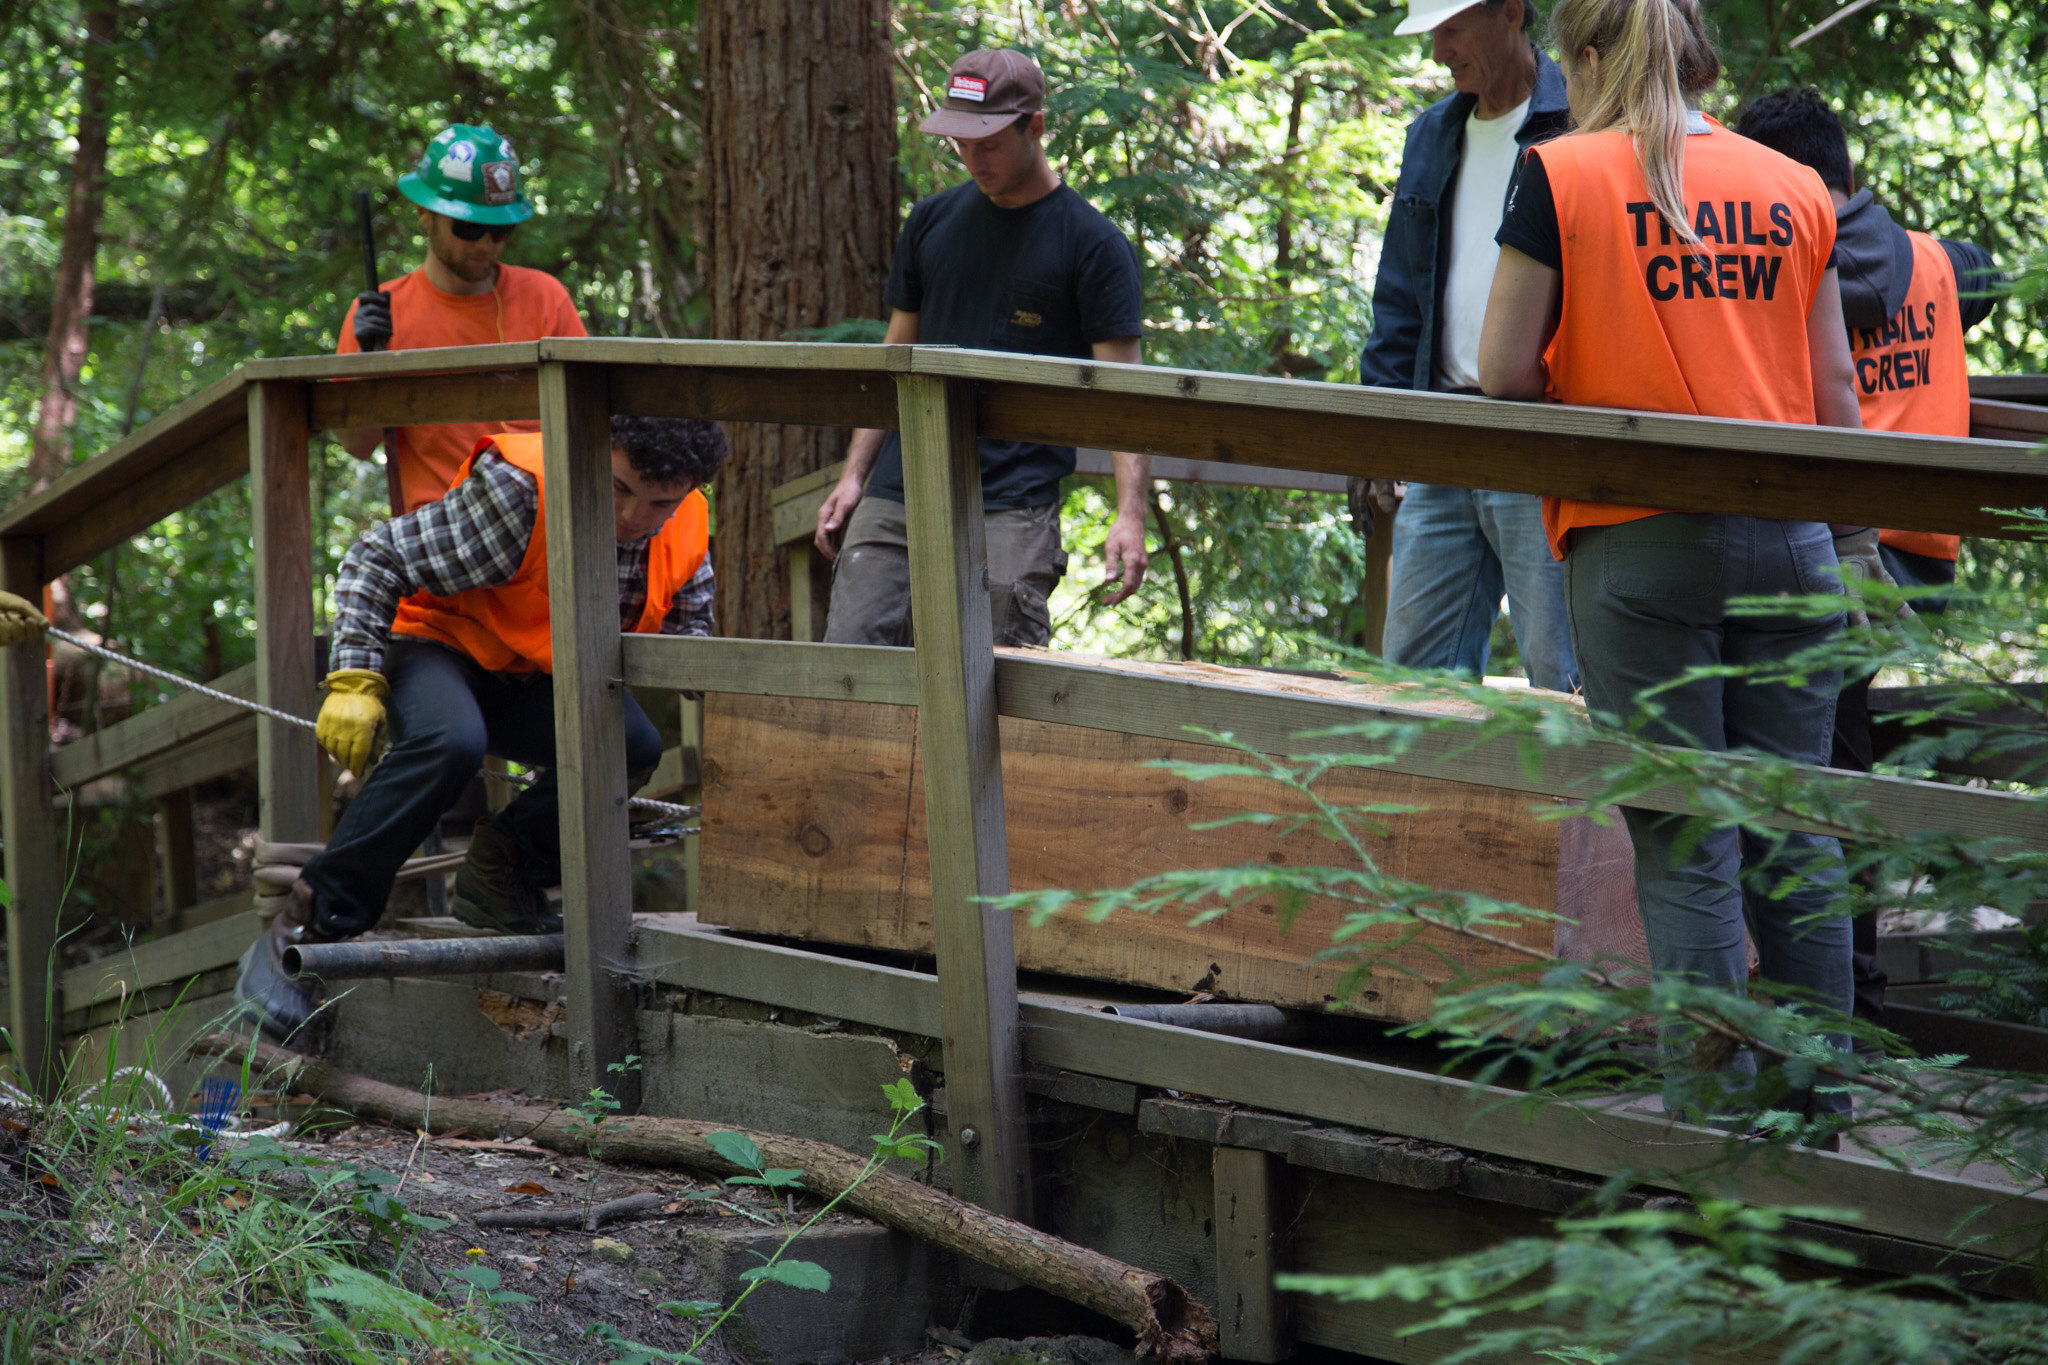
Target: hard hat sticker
[[455, 163], [499, 187], [972, 88]]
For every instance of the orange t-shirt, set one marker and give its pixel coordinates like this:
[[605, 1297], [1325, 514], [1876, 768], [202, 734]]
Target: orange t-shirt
[[1717, 330], [1912, 373], [526, 305]]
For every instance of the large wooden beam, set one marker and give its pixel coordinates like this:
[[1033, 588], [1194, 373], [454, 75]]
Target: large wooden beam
[[28, 823], [590, 725], [1609, 455], [964, 792], [287, 758], [1254, 1319]]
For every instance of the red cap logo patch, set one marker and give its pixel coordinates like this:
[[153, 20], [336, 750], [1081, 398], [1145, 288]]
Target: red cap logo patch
[[972, 88]]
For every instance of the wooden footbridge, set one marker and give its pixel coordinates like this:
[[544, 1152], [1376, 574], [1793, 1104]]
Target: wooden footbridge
[[1273, 1153]]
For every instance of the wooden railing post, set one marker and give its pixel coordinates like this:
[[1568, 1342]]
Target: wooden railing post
[[963, 784], [590, 725], [280, 494], [35, 853]]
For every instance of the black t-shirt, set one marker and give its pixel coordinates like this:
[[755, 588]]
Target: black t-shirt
[[1051, 278]]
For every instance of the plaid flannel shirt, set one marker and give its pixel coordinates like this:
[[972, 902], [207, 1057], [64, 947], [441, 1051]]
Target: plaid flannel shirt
[[475, 537]]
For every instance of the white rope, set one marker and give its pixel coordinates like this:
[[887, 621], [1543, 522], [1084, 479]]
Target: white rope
[[516, 779]]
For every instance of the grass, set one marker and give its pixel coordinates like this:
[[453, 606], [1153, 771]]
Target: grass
[[119, 1243]]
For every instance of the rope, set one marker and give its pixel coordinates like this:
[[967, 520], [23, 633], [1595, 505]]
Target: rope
[[516, 779]]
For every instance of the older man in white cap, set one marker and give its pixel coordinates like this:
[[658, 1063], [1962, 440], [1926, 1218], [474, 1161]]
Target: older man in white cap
[[1456, 550], [1011, 260]]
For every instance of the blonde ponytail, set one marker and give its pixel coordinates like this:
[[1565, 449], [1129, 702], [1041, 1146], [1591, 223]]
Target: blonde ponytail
[[1655, 56]]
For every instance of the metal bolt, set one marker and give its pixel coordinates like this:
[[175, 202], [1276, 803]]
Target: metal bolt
[[968, 1137]]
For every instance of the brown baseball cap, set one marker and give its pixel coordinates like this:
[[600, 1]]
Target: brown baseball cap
[[987, 91]]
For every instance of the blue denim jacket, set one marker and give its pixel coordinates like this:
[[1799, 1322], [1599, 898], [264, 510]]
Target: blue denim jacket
[[1401, 352]]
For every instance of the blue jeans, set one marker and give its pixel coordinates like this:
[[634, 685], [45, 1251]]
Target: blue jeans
[[1648, 601], [445, 713], [1456, 550]]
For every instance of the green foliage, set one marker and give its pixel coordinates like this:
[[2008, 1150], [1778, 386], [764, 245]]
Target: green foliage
[[1688, 1275], [2006, 983]]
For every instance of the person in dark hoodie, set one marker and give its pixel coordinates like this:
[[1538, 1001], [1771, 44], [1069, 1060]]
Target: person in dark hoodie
[[1907, 298], [1456, 551]]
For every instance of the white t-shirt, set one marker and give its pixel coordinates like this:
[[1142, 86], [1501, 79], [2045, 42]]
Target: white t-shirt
[[1483, 175]]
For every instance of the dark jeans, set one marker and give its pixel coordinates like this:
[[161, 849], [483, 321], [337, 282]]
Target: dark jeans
[[1853, 751], [445, 713], [1648, 601]]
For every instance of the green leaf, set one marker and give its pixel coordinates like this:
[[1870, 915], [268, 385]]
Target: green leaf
[[483, 1277], [774, 1177], [795, 1274], [690, 1308], [903, 1097], [736, 1148]]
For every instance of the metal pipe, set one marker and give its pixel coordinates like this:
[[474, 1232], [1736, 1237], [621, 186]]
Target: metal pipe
[[1260, 1023], [425, 957]]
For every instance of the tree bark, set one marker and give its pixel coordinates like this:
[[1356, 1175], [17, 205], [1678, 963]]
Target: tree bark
[[1169, 1324], [800, 140], [71, 305]]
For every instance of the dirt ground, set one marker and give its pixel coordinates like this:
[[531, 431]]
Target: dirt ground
[[617, 1276]]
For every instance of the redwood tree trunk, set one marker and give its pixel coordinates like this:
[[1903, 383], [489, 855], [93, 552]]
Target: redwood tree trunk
[[800, 138], [71, 305]]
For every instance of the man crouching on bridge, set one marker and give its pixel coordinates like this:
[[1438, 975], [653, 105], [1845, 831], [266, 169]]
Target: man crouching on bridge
[[443, 613]]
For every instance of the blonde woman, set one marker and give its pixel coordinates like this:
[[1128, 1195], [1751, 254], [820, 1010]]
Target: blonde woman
[[1653, 259]]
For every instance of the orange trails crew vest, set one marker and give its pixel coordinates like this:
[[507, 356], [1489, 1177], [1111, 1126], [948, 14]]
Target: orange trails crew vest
[[1718, 330], [1911, 373], [505, 629]]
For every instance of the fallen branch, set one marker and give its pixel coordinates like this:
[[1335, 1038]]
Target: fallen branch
[[590, 1220], [1168, 1323]]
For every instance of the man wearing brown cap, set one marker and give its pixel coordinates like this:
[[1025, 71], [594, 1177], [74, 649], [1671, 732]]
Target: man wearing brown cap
[[1013, 260]]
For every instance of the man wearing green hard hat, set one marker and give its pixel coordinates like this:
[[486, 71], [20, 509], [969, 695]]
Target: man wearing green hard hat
[[469, 196]]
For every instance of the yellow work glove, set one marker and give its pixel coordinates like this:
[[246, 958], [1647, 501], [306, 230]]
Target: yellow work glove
[[351, 716], [21, 621]]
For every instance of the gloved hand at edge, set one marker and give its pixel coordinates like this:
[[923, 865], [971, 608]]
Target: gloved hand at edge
[[1857, 553], [373, 319], [21, 621], [352, 716]]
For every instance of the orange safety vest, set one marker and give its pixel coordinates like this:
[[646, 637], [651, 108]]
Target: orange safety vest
[[1911, 374], [1717, 330], [506, 629]]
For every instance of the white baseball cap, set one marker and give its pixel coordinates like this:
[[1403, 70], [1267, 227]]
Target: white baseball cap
[[1424, 15]]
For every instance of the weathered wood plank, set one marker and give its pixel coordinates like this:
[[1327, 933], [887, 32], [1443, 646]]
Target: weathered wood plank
[[969, 857], [287, 758], [375, 364], [146, 498], [1995, 420], [1255, 1321], [1611, 455], [1147, 699], [414, 399], [1926, 1206], [781, 668], [176, 855], [590, 726], [227, 750], [83, 489], [28, 824], [847, 860], [829, 398], [1096, 463], [753, 355], [156, 731], [2016, 388], [203, 949]]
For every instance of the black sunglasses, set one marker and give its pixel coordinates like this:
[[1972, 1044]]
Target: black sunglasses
[[470, 232]]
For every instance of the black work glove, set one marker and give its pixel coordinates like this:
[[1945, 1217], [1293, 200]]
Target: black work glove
[[373, 320]]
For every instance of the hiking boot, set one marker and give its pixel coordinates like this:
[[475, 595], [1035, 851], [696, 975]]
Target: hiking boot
[[281, 1002], [491, 891]]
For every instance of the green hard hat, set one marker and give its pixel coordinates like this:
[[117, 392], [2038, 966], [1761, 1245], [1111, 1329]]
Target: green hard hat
[[468, 173]]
